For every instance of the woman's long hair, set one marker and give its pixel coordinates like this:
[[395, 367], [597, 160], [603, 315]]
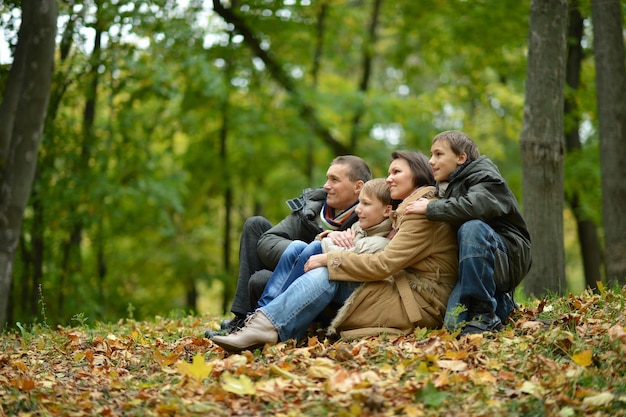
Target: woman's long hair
[[420, 168]]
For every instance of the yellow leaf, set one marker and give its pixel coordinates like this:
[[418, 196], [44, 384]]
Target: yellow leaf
[[197, 370], [599, 400], [583, 358], [281, 372], [242, 385]]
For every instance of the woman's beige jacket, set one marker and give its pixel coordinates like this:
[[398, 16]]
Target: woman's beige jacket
[[405, 286]]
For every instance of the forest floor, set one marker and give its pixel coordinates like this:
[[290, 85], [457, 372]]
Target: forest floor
[[561, 356]]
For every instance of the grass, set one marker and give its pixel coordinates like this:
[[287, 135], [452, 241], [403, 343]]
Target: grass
[[561, 356]]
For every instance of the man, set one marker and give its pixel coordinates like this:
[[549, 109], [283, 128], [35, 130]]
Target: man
[[331, 207]]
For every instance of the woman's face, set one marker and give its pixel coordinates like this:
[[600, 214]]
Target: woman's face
[[400, 179]]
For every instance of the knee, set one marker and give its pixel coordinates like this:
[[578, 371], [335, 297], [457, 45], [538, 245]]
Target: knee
[[473, 232], [256, 225], [296, 246], [471, 228]]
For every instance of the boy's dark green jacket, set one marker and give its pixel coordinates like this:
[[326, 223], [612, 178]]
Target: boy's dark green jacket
[[478, 191]]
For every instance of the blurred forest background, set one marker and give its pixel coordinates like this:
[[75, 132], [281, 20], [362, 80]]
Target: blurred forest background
[[171, 122]]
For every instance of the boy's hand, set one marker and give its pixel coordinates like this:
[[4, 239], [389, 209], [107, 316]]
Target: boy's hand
[[315, 261], [417, 207]]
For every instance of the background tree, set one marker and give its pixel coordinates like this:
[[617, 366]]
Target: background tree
[[201, 117], [22, 115], [582, 179], [542, 145], [608, 43]]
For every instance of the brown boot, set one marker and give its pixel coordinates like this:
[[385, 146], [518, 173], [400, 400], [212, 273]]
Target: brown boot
[[258, 331]]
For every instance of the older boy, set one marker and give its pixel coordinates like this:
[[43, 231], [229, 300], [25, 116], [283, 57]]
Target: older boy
[[494, 242]]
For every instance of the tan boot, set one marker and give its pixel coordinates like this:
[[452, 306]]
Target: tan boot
[[258, 331]]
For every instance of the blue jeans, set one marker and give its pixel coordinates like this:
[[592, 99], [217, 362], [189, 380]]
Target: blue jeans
[[482, 253], [293, 311], [289, 268]]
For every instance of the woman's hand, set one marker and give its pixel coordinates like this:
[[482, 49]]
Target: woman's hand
[[344, 238], [417, 207], [315, 261]]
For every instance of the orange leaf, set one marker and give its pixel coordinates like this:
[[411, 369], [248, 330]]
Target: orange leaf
[[165, 360], [23, 383]]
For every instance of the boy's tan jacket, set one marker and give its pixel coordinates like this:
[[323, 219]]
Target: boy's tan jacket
[[405, 286]]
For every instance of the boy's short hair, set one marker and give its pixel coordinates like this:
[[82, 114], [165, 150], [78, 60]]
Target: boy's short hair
[[378, 189], [459, 143], [358, 168]]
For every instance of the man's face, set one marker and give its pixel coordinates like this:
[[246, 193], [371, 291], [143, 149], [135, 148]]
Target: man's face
[[443, 160], [342, 192]]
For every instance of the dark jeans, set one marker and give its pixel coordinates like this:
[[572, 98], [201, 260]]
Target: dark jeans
[[256, 286], [250, 265], [482, 257]]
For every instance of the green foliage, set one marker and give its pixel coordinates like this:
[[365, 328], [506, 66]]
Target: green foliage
[[132, 210]]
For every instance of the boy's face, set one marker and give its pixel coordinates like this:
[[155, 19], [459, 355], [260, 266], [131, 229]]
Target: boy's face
[[443, 160], [371, 211]]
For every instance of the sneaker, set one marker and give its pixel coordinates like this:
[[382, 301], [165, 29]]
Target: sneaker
[[227, 327], [481, 323]]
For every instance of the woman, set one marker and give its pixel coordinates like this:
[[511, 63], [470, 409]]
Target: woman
[[405, 286]]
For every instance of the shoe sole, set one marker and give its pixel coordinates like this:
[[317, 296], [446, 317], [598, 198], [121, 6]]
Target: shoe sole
[[236, 349]]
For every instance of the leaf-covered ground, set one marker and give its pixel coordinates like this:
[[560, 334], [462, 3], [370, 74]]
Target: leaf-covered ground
[[558, 357]]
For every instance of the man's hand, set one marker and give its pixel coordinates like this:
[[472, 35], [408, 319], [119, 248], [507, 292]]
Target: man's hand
[[344, 238]]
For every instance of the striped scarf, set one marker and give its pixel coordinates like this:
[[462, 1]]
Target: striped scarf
[[332, 220]]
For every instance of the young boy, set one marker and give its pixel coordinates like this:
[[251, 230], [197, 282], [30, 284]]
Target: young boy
[[494, 243], [368, 235]]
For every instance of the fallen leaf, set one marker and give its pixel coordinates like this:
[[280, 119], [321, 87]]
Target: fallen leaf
[[599, 400], [241, 385], [617, 332], [430, 396], [282, 372], [532, 389], [23, 383], [343, 381], [452, 365], [197, 370], [164, 360], [321, 368], [584, 358]]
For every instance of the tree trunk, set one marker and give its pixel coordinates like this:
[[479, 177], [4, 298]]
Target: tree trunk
[[587, 231], [542, 147], [22, 116], [608, 46]]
